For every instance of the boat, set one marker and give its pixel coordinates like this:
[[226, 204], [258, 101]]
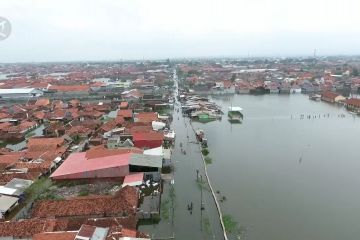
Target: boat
[[315, 97], [235, 114], [205, 116]]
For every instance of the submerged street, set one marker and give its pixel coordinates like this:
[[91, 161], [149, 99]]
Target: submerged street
[[186, 157]]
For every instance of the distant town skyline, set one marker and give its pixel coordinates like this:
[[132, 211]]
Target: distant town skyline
[[112, 30]]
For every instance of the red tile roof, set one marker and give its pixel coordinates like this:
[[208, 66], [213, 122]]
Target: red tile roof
[[55, 236], [126, 113], [8, 160], [40, 115], [24, 228], [146, 117], [124, 105], [147, 136], [119, 120], [126, 200], [40, 144], [142, 129], [354, 102], [69, 88], [330, 95], [4, 115], [42, 102]]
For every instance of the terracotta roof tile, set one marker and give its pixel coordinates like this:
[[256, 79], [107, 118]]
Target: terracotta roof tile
[[69, 88], [126, 113], [42, 102], [126, 200], [40, 144], [24, 228], [55, 236]]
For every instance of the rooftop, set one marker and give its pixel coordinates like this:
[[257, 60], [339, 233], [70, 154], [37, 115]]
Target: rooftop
[[126, 200]]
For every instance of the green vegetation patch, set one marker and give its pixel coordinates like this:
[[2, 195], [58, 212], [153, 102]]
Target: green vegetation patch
[[84, 192], [231, 226], [208, 160], [205, 151], [165, 209]]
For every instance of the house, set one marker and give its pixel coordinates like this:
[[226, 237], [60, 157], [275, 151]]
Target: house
[[55, 129], [134, 179], [74, 103], [42, 102], [127, 114], [105, 164], [148, 139], [125, 201], [24, 229], [332, 97], [60, 235], [81, 131], [285, 88], [15, 188], [36, 144], [124, 105], [131, 95], [295, 89], [70, 90], [150, 208], [146, 117], [18, 93], [115, 142], [96, 164], [106, 231], [353, 104]]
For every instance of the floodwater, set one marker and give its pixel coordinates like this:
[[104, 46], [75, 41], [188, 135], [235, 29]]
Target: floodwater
[[285, 177], [182, 223]]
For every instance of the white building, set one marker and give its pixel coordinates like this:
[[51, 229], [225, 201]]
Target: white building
[[20, 93]]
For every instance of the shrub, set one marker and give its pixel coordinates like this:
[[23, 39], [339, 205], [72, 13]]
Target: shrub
[[208, 160], [205, 151], [84, 192]]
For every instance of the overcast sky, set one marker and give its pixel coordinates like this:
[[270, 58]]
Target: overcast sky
[[52, 30]]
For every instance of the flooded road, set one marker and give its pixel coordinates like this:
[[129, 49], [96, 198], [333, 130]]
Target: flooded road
[[195, 224], [285, 177]]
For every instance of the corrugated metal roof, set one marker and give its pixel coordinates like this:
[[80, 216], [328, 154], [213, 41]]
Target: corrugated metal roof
[[7, 202], [146, 160], [78, 163], [154, 151], [18, 90], [133, 179]]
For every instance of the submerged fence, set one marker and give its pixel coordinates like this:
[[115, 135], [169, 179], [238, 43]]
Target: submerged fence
[[212, 191]]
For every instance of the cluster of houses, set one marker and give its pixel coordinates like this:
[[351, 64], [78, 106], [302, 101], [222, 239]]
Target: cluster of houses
[[270, 76], [81, 142], [351, 104], [90, 81], [126, 142]]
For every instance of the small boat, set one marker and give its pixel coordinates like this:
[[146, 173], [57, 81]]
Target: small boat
[[352, 112], [235, 114], [315, 97]]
